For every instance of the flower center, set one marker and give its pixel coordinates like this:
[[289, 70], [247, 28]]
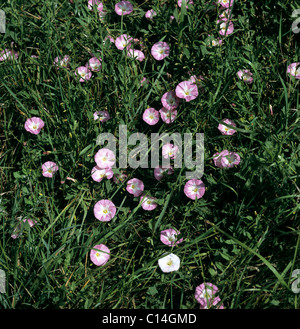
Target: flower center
[[105, 211], [34, 127], [169, 263], [151, 116], [161, 51]]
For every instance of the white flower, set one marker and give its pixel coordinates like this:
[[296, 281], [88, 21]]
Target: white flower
[[169, 263]]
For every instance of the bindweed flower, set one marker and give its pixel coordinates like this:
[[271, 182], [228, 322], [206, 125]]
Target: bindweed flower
[[144, 82], [135, 187], [169, 237], [170, 101], [226, 14], [101, 255], [84, 73], [170, 151], [148, 203], [101, 12], [245, 75], [151, 116], [160, 50], [17, 231], [102, 116], [226, 159], [194, 189], [99, 174], [110, 38], [169, 263], [104, 210], [167, 116], [62, 62], [138, 54], [34, 125], [187, 90], [119, 178], [94, 64], [105, 158], [226, 27], [186, 2], [92, 3], [49, 168], [294, 70], [159, 172], [123, 41], [7, 54], [226, 130], [123, 8], [205, 295], [150, 14], [226, 3], [214, 42]]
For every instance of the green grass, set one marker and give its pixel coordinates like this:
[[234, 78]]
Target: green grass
[[243, 235]]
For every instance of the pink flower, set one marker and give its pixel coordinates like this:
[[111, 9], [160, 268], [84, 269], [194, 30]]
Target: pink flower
[[17, 231], [159, 172], [226, 14], [135, 187], [170, 151], [171, 18], [144, 81], [226, 159], [294, 70], [101, 12], [226, 130], [92, 3], [169, 100], [160, 50], [100, 257], [98, 174], [119, 178], [123, 8], [151, 116], [138, 54], [167, 116], [31, 222], [105, 158], [187, 2], [94, 64], [34, 125], [226, 27], [102, 116], [62, 62], [49, 168], [148, 203], [104, 210], [245, 75], [110, 38], [194, 189], [215, 42], [187, 90], [7, 54], [123, 41], [205, 295], [84, 73], [169, 237], [150, 14], [226, 3]]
